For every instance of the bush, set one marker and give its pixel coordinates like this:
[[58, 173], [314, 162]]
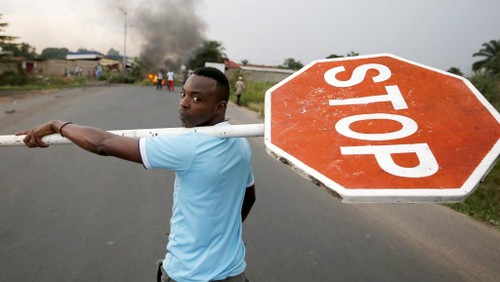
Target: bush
[[30, 82], [13, 78], [120, 77], [488, 86]]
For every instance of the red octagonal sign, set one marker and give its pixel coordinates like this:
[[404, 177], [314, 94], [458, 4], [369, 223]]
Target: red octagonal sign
[[383, 129]]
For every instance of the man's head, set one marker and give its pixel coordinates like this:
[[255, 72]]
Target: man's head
[[204, 98], [219, 77]]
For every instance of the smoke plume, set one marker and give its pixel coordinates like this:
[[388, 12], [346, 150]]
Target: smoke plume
[[170, 30]]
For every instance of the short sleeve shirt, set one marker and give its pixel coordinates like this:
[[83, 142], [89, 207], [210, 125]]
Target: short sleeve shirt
[[211, 177], [170, 75]]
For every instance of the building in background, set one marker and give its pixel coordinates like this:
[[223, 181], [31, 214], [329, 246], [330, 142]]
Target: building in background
[[256, 72]]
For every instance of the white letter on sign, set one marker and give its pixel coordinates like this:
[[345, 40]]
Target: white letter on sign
[[427, 166], [409, 127], [393, 95], [358, 75]]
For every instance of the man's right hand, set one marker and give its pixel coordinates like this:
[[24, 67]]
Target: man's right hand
[[34, 136]]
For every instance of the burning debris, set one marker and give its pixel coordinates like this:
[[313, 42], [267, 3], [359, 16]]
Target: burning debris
[[154, 78]]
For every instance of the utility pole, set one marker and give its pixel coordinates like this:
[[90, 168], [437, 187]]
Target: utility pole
[[124, 11]]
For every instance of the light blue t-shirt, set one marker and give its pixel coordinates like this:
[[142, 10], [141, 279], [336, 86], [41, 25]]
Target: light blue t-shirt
[[211, 177]]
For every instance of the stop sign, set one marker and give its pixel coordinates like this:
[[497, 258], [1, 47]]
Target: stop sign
[[383, 129]]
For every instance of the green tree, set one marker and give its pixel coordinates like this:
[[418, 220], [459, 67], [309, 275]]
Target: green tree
[[291, 63], [350, 54], [113, 52], [83, 50], [22, 50], [209, 51], [52, 53], [5, 39], [491, 61], [138, 69], [244, 62], [334, 56], [488, 86], [455, 70], [7, 44]]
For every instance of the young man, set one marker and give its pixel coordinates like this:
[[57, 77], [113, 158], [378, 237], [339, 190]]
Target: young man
[[159, 80], [170, 80], [214, 187]]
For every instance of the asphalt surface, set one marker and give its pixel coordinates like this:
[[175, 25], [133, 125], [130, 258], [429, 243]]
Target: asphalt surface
[[67, 215]]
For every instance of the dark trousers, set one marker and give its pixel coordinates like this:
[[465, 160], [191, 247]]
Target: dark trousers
[[162, 276]]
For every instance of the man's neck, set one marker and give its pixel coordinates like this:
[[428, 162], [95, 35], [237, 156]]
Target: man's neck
[[214, 121]]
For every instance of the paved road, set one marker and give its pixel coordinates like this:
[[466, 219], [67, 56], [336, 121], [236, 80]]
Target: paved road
[[66, 215]]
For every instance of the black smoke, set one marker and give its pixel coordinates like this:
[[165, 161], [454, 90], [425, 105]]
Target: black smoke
[[169, 29]]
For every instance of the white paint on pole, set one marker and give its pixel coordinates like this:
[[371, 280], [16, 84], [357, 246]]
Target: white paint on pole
[[224, 131]]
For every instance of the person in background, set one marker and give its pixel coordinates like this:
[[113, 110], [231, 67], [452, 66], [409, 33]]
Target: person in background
[[239, 89], [187, 75], [159, 80], [98, 71], [170, 80]]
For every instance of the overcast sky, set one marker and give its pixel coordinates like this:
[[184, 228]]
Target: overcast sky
[[438, 33]]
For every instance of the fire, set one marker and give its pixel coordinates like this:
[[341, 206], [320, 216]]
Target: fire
[[154, 78]]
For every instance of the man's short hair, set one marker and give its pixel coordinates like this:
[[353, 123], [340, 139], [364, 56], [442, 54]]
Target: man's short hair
[[223, 88]]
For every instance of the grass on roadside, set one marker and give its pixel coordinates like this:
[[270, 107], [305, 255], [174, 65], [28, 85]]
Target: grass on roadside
[[484, 203], [253, 97]]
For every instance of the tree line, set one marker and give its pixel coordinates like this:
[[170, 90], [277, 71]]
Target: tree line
[[214, 51]]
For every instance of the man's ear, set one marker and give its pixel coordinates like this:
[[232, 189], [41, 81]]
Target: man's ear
[[221, 106]]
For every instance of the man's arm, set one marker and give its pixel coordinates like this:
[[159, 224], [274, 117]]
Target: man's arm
[[248, 202], [94, 140]]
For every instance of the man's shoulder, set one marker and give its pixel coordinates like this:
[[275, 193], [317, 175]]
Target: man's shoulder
[[179, 140]]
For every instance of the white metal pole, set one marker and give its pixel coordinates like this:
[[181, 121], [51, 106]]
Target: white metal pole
[[225, 131]]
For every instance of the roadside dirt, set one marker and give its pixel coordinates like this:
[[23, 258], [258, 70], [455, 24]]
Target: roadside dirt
[[16, 106], [9, 96]]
